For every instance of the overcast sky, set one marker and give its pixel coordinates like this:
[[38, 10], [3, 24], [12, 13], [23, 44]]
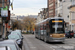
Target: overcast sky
[[28, 7]]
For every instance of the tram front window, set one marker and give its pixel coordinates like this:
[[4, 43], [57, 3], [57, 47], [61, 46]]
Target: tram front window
[[57, 29]]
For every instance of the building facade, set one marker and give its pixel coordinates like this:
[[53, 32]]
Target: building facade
[[72, 16], [42, 15], [61, 9], [51, 8]]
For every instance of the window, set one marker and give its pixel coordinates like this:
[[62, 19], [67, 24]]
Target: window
[[3, 3], [73, 2], [51, 11], [60, 4], [63, 0], [73, 15], [0, 1], [60, 0], [51, 5]]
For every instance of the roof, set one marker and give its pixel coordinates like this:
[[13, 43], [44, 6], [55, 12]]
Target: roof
[[7, 42], [57, 18], [49, 18], [4, 48]]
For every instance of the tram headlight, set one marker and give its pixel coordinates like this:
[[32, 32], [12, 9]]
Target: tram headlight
[[64, 35], [50, 35]]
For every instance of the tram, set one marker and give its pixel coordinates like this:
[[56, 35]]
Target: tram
[[51, 30]]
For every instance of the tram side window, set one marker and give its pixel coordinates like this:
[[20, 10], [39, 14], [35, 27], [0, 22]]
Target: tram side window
[[44, 28], [39, 29], [36, 30], [47, 29]]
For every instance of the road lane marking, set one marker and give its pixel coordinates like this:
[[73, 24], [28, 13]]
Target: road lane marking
[[53, 49], [63, 47], [68, 47], [33, 47]]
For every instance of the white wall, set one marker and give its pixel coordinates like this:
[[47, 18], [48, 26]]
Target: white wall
[[39, 18], [63, 9], [66, 10]]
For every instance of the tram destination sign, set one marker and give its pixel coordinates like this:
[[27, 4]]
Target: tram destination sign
[[57, 21]]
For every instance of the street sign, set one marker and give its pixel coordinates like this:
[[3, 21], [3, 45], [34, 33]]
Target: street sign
[[4, 12], [7, 18]]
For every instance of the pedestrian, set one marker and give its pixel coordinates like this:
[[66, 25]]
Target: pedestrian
[[72, 31]]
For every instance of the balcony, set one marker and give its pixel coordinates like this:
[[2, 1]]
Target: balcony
[[73, 2]]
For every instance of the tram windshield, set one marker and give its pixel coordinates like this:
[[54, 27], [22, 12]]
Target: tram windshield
[[57, 27]]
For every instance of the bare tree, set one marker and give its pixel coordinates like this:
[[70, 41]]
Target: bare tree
[[29, 23]]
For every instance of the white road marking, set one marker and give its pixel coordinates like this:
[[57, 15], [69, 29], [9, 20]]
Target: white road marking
[[33, 47], [68, 47], [64, 47], [53, 49]]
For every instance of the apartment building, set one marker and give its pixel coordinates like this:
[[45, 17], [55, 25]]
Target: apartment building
[[51, 8], [42, 15], [61, 9], [72, 16]]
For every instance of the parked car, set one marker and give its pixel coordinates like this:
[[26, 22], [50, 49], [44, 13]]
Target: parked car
[[17, 38], [11, 43], [5, 48], [68, 34], [19, 32], [74, 35]]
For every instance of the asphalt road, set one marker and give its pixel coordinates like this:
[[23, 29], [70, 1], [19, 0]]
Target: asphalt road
[[31, 43]]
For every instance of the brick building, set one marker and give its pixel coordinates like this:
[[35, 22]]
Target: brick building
[[51, 8]]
